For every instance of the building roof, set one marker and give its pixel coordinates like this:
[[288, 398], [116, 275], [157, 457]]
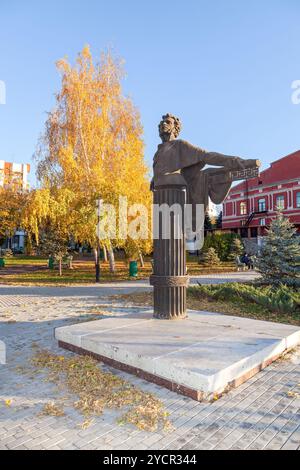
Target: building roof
[[286, 168]]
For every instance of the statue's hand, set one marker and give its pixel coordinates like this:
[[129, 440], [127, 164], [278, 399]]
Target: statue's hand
[[255, 163], [247, 163]]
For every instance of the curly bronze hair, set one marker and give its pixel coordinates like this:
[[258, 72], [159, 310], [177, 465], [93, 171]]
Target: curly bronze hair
[[177, 123]]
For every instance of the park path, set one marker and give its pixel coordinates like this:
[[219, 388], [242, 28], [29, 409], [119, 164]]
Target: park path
[[263, 413], [13, 295]]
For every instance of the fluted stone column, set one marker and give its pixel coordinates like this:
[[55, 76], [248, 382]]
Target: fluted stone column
[[169, 274]]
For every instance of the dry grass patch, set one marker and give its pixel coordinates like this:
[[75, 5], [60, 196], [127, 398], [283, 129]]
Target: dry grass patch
[[135, 298], [193, 302], [198, 301], [98, 390]]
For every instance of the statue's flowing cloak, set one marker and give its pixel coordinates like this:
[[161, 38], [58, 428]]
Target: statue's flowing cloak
[[181, 158]]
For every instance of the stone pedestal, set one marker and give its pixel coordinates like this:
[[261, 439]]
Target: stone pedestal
[[200, 357], [169, 277]]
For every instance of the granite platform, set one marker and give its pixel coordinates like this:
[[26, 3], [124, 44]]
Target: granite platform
[[200, 357]]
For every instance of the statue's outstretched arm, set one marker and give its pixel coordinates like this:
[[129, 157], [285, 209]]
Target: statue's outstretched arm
[[191, 155], [218, 159], [228, 161]]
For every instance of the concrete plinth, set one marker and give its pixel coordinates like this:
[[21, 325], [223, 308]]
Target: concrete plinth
[[199, 357]]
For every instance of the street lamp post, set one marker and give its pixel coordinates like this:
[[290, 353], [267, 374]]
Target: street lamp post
[[97, 263]]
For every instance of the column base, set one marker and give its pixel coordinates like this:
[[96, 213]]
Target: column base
[[169, 297]]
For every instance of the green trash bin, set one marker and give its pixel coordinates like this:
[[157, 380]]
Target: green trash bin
[[51, 263], [133, 269], [2, 263]]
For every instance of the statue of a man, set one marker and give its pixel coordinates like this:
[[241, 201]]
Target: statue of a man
[[177, 162]]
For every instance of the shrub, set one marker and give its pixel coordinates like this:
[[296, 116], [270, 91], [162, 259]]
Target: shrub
[[282, 300], [210, 257], [221, 242]]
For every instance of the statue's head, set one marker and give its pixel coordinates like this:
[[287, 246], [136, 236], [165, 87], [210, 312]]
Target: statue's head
[[169, 127]]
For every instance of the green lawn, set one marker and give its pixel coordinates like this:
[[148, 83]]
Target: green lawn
[[84, 271], [22, 260]]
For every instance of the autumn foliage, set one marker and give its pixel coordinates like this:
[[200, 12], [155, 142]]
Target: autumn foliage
[[92, 146]]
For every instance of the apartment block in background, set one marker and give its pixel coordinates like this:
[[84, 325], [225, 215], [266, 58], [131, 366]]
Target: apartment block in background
[[14, 175]]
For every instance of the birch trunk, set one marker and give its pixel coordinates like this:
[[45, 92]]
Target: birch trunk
[[111, 257], [95, 255], [105, 253], [141, 259]]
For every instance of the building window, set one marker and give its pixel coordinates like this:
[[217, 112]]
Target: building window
[[261, 205], [229, 210], [297, 199], [262, 222], [280, 202], [253, 232], [243, 208]]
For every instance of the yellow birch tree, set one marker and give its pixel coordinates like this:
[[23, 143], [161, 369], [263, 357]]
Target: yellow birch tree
[[92, 145]]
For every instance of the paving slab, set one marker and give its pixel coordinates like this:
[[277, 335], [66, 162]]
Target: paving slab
[[242, 414], [198, 357]]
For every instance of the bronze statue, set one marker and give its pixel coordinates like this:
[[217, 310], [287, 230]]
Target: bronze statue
[[179, 179], [179, 162]]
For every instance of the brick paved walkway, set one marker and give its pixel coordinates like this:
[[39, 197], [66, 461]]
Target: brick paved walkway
[[258, 415]]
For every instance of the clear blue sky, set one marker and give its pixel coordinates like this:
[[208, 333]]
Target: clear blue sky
[[224, 67]]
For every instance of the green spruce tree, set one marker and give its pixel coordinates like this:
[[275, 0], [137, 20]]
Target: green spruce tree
[[210, 257], [279, 259]]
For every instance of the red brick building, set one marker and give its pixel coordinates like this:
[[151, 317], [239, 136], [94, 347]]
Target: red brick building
[[250, 205]]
